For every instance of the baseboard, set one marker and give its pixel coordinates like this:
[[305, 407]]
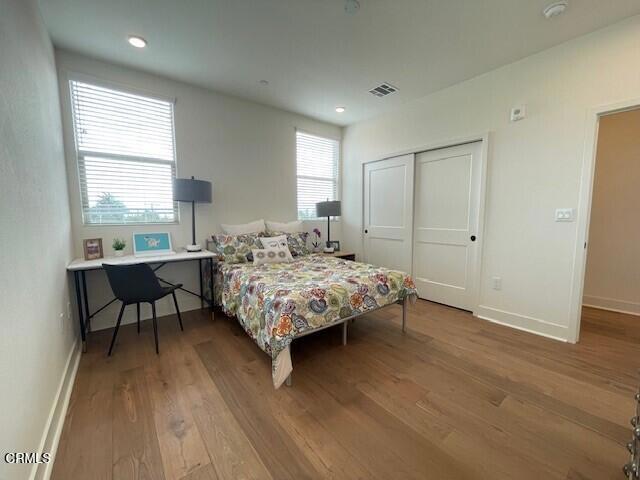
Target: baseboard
[[611, 304], [524, 323], [55, 422]]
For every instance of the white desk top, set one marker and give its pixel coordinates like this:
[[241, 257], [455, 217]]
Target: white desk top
[[82, 264]]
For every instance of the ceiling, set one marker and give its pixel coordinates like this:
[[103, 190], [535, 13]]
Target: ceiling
[[313, 54]]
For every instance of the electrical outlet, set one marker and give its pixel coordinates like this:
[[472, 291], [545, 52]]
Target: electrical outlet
[[496, 283]]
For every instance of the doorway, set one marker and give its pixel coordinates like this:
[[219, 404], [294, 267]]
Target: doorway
[[612, 273]]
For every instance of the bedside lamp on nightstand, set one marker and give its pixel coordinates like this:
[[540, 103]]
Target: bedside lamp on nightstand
[[328, 209]]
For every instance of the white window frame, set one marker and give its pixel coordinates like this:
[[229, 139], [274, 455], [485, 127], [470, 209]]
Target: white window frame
[[338, 177], [71, 77]]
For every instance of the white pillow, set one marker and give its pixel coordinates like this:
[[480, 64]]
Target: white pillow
[[271, 255], [244, 228], [272, 242], [279, 242], [287, 227]]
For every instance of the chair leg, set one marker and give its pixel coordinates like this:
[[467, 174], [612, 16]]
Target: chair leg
[[115, 332], [138, 312], [155, 325], [175, 302]]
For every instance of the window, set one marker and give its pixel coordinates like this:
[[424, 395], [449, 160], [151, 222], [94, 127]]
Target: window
[[126, 156], [317, 174]]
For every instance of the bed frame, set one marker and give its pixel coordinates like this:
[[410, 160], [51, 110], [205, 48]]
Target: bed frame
[[345, 322]]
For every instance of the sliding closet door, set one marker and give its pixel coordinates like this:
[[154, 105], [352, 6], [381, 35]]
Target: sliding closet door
[[388, 212], [447, 199]]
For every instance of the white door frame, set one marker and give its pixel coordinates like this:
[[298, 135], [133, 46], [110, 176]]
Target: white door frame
[[584, 208], [481, 137]]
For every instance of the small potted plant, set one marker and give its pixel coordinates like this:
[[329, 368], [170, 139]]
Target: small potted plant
[[316, 243], [118, 245]]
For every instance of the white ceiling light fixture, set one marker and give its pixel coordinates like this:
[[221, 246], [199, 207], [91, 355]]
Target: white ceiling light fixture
[[264, 83], [554, 9], [351, 6], [136, 41], [340, 109]]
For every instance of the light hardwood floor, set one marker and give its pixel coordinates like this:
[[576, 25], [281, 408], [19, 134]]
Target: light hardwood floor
[[454, 398]]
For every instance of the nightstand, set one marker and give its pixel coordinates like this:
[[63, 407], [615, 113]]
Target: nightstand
[[343, 255]]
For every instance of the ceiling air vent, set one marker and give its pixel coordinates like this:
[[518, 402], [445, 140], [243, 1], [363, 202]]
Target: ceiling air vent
[[383, 90]]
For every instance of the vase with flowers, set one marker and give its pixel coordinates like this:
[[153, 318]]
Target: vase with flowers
[[317, 246]]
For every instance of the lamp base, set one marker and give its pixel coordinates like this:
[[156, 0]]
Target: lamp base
[[328, 249], [193, 248]]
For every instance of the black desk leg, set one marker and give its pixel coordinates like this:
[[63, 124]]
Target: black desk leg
[[212, 293], [76, 277], [86, 302], [201, 290]]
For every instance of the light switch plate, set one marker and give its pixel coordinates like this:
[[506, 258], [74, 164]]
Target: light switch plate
[[564, 214]]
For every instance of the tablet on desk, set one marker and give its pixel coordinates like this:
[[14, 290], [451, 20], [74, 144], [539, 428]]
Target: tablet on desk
[[146, 244]]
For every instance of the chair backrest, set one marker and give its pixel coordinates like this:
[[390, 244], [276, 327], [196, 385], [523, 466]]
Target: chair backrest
[[133, 283]]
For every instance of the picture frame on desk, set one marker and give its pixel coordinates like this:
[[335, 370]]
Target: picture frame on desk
[[92, 248], [145, 244]]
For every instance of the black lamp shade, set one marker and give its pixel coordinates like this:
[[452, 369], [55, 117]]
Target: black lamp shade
[[191, 190], [328, 209]]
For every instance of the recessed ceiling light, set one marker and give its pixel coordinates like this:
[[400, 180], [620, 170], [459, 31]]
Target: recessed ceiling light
[[264, 83], [340, 109], [554, 9], [137, 42]]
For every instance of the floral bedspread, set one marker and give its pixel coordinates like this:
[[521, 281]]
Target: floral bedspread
[[275, 302]]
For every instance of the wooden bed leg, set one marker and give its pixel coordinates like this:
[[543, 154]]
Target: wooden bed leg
[[404, 315], [288, 382], [344, 333]]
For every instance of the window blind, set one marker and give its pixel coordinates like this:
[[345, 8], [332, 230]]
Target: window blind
[[126, 156], [317, 172]]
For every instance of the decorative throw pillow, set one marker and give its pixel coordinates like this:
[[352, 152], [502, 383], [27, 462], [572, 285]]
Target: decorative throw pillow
[[279, 242], [236, 248], [271, 255], [297, 243], [244, 228], [270, 242], [286, 227]]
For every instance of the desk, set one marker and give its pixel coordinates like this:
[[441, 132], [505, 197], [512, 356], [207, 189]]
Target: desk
[[79, 267]]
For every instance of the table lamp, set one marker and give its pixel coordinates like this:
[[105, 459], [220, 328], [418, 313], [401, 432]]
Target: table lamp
[[328, 209], [194, 191]]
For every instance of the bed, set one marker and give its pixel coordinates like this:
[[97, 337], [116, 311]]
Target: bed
[[277, 303]]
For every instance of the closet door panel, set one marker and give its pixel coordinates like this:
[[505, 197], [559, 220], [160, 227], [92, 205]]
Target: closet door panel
[[445, 223], [388, 212]]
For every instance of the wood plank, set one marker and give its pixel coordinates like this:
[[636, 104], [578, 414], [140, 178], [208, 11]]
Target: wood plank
[[90, 418], [454, 397], [276, 449], [181, 445], [317, 443], [136, 453], [205, 472]]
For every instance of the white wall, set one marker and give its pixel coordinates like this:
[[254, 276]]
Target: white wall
[[247, 150], [612, 278], [534, 165], [35, 235]]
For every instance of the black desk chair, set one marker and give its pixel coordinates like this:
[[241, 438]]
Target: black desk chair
[[138, 284]]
